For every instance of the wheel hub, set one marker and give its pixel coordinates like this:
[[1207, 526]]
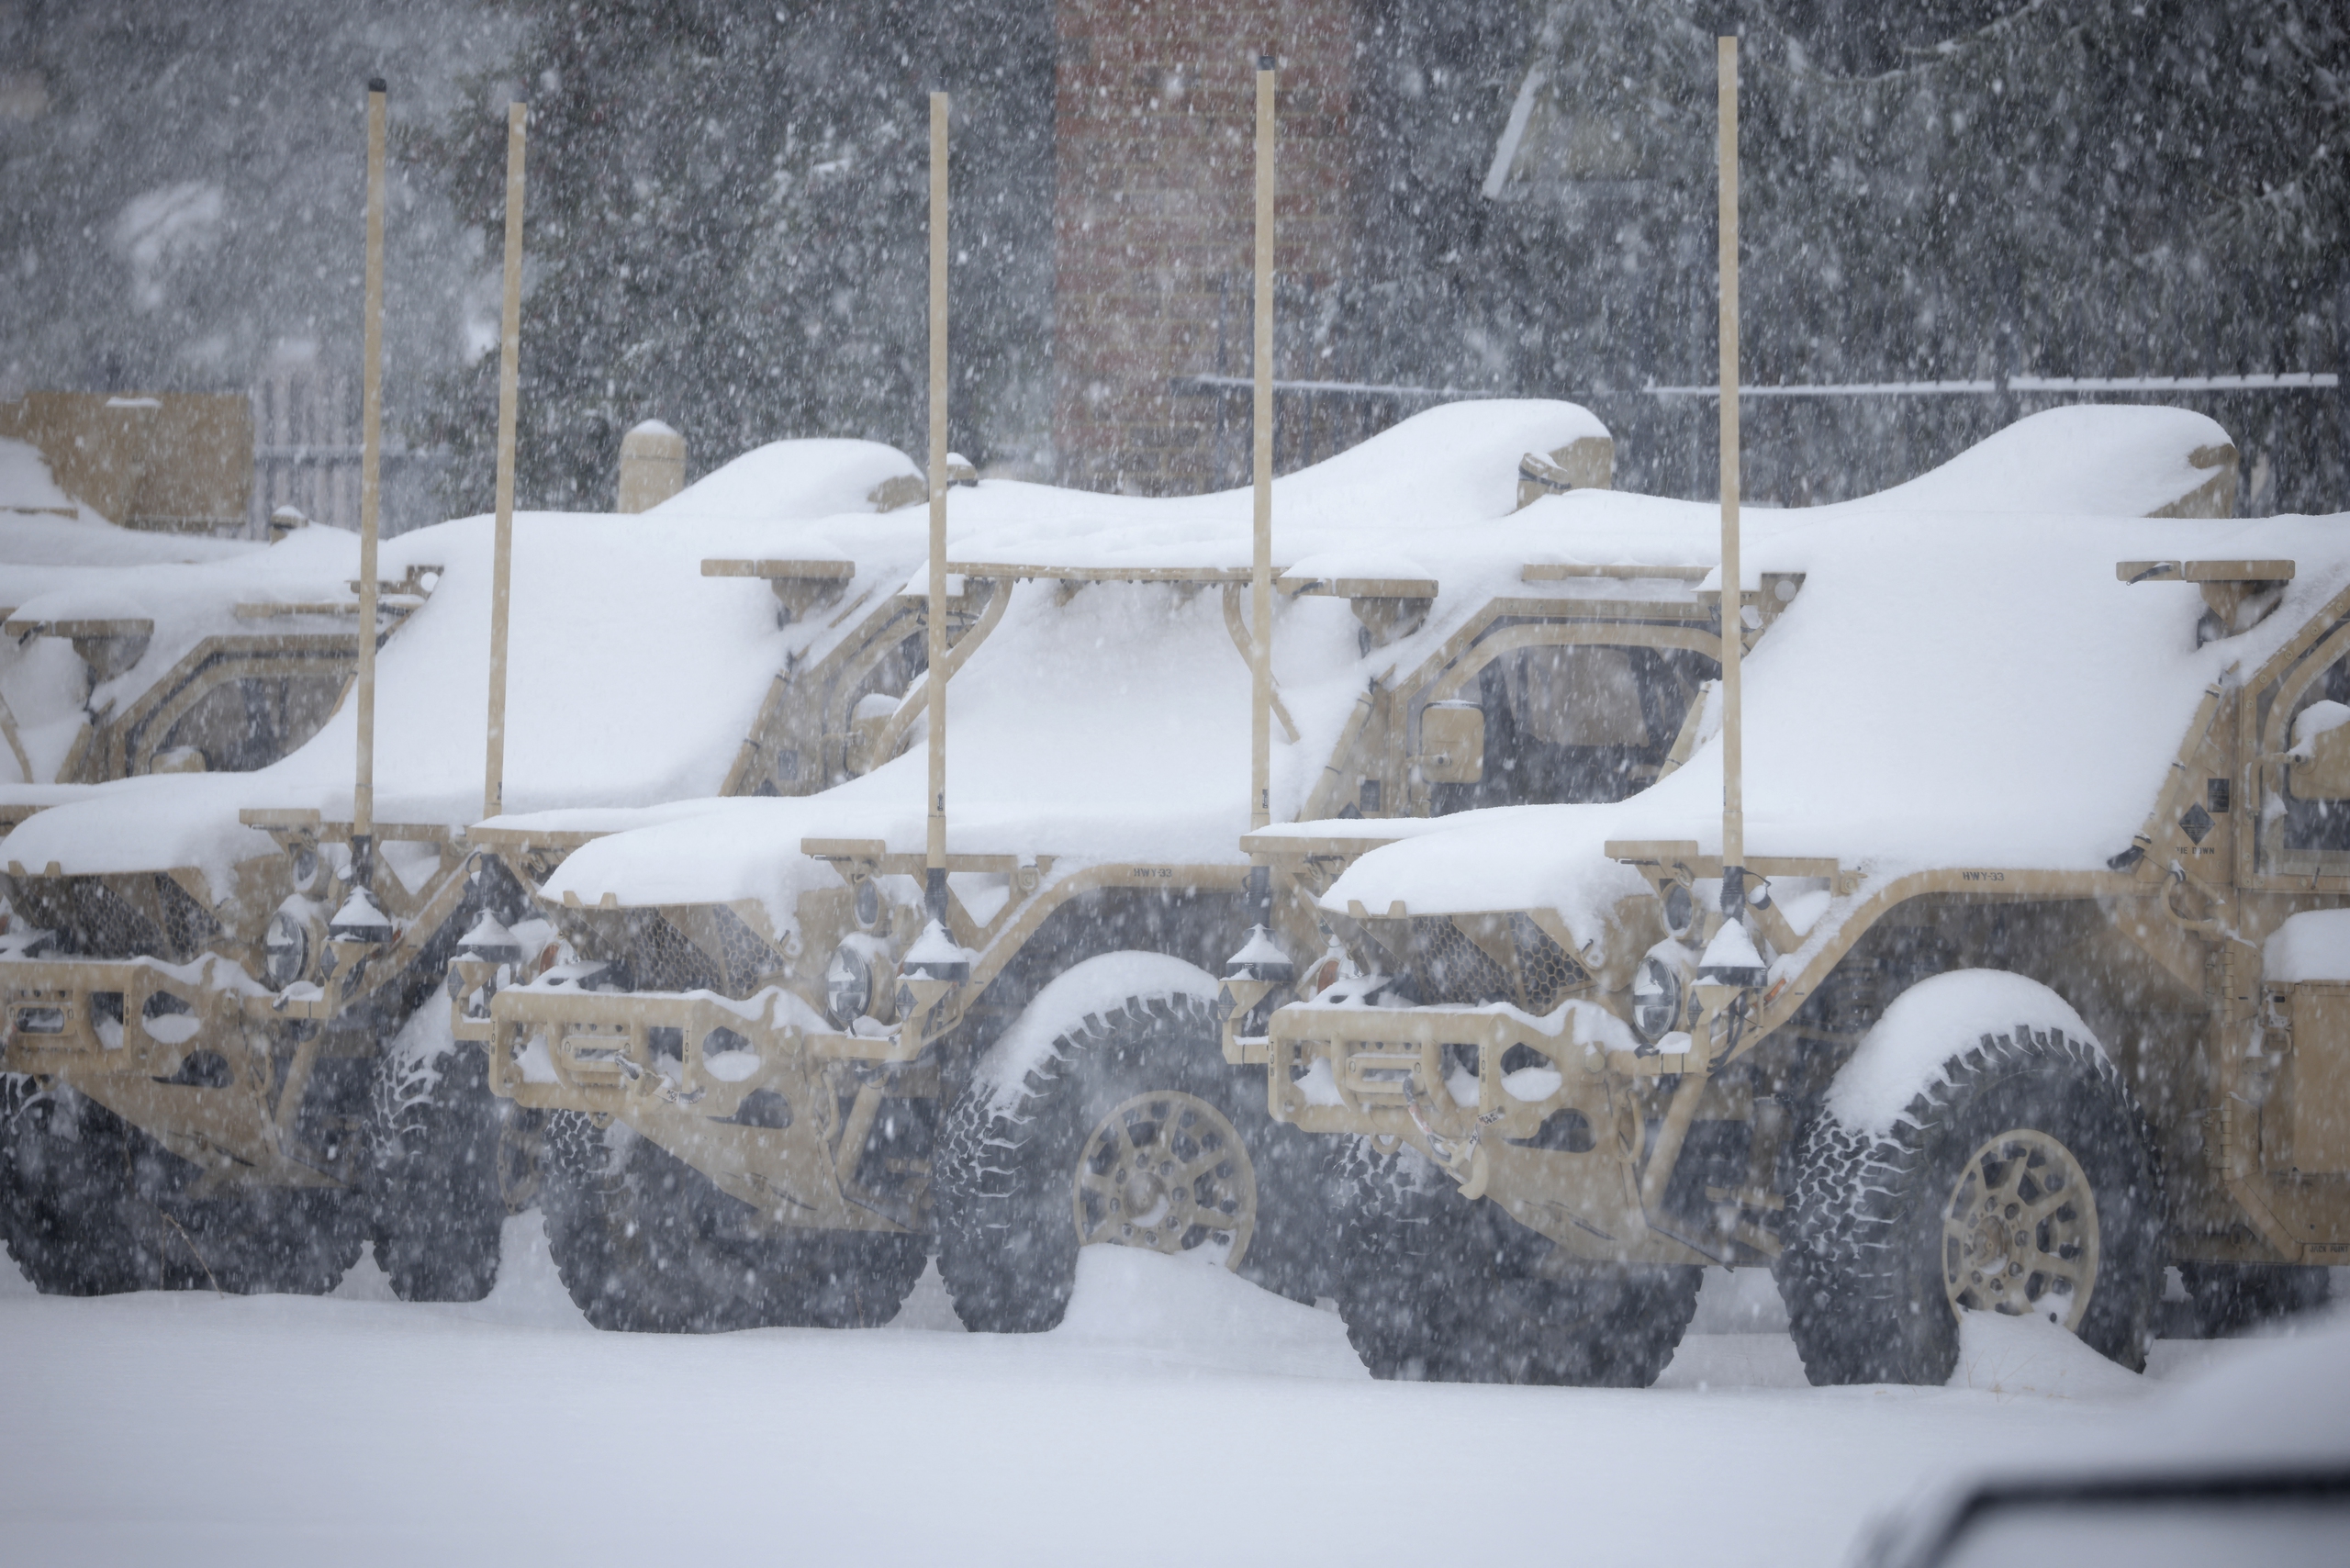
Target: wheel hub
[[2020, 1232], [1167, 1172]]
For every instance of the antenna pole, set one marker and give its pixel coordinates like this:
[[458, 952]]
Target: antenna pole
[[510, 333], [1261, 574], [363, 801], [1733, 601], [935, 881]]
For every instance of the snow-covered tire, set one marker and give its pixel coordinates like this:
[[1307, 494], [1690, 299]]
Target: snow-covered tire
[[1864, 1272], [437, 1141], [1008, 1186], [93, 1206], [644, 1243], [268, 1241], [66, 1200], [1434, 1287], [2231, 1298]]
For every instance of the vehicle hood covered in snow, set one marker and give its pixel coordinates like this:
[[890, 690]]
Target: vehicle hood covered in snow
[[1115, 726], [60, 561], [1951, 689], [632, 678], [1110, 723]]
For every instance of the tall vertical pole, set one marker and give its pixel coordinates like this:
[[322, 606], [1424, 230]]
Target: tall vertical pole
[[371, 400], [935, 888], [1260, 571], [501, 578], [1733, 601]]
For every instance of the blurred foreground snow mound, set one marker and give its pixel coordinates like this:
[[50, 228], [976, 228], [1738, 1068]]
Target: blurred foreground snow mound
[[1186, 1310], [2279, 1404], [1997, 1354]]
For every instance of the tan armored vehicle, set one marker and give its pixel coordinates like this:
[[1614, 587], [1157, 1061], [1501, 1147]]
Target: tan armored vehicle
[[128, 652], [221, 1066], [2031, 983], [767, 1080]]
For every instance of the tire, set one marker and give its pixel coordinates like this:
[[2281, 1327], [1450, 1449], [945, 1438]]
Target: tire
[[2231, 1298], [1009, 1188], [1863, 1268], [267, 1241], [93, 1206], [437, 1139], [66, 1202], [1437, 1288], [645, 1244]]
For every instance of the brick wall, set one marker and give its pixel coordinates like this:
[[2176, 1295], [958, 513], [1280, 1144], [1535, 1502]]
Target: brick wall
[[1154, 133]]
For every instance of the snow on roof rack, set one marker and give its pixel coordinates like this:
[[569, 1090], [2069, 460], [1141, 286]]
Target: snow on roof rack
[[2204, 571], [1564, 571]]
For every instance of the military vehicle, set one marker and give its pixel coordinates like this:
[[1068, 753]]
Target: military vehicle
[[128, 653], [769, 1081], [2028, 983], [759, 1056], [223, 1070]]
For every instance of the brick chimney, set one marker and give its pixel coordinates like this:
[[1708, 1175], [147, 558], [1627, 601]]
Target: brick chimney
[[1154, 130]]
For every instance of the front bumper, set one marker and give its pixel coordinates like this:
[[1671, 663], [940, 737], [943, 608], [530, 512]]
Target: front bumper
[[129, 1033], [787, 1117], [1513, 1108]]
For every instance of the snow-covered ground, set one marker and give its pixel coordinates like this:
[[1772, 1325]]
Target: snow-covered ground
[[1180, 1416]]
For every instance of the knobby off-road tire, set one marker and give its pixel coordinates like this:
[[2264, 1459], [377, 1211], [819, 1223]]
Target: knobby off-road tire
[[1436, 1288], [65, 1196], [1132, 1119], [93, 1206], [644, 1243], [1868, 1253], [438, 1140], [2231, 1298], [276, 1241]]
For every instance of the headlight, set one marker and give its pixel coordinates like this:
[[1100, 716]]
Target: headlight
[[848, 986], [1679, 910], [1656, 1001], [287, 951]]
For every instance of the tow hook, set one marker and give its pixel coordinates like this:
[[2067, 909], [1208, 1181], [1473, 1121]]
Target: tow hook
[[661, 1088], [1454, 1155]]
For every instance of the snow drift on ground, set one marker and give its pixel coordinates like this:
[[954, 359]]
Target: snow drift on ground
[[1177, 1413]]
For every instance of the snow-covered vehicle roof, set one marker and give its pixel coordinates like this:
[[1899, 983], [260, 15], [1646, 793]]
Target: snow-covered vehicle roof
[[632, 678], [1952, 688], [170, 595], [154, 609], [1113, 724]]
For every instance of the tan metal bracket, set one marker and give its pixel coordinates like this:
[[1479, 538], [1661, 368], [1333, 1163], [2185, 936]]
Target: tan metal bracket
[[800, 588]]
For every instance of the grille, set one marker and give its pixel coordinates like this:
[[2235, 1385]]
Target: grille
[[660, 958], [188, 925], [1543, 965], [1455, 971], [748, 960], [106, 926]]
